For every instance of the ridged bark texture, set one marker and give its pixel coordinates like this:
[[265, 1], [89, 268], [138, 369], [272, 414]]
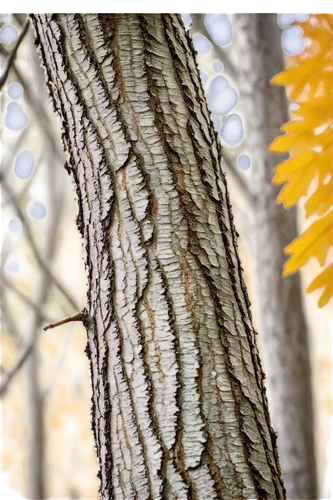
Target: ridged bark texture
[[179, 407]]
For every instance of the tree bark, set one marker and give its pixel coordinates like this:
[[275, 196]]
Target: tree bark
[[257, 56], [179, 407]]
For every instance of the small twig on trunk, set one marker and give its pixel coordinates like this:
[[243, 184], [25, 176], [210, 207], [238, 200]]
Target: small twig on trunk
[[77, 317]]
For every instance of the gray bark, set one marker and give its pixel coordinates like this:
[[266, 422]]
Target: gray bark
[[179, 407]]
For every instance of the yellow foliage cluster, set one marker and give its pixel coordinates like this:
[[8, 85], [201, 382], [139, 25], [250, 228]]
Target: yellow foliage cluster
[[309, 140]]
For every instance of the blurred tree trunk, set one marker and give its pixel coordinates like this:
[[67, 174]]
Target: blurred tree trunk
[[35, 443], [179, 407], [257, 56], [35, 95]]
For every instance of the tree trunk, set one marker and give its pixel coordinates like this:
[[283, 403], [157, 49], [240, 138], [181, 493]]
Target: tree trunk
[[257, 56], [35, 441], [179, 407]]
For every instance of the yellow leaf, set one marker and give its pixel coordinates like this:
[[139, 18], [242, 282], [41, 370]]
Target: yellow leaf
[[297, 187], [326, 138], [324, 162], [319, 34], [294, 74], [282, 144], [316, 107], [314, 242], [321, 200], [325, 279], [312, 80], [313, 117], [296, 165], [297, 142], [308, 139], [295, 127]]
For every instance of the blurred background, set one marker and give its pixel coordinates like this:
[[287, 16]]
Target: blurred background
[[46, 442]]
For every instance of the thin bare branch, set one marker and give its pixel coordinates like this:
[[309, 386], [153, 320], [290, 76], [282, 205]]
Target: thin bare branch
[[36, 307], [7, 161], [7, 377], [6, 315], [12, 54], [2, 370], [28, 183], [33, 245], [44, 255], [77, 317], [9, 322]]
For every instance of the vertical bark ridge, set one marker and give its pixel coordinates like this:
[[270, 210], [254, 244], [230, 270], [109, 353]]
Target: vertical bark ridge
[[72, 111], [185, 389], [140, 209], [179, 409], [129, 347], [229, 243]]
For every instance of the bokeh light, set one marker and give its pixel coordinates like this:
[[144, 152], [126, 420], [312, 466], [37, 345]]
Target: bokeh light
[[15, 225], [24, 164], [218, 66], [187, 20], [219, 28], [36, 210], [15, 117], [232, 131], [15, 90], [285, 20], [293, 42], [8, 34], [244, 162], [201, 44], [5, 18], [221, 97], [13, 266], [294, 106]]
